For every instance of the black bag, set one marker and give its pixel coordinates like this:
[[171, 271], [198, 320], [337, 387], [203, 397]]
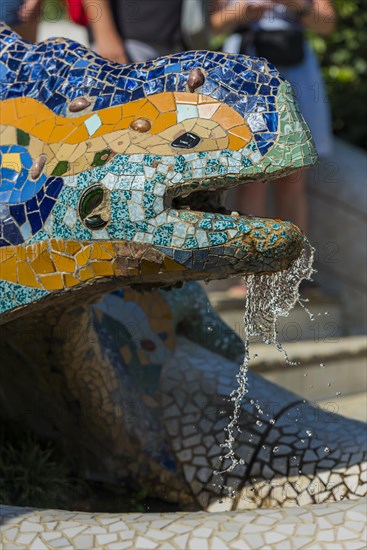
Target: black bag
[[283, 48]]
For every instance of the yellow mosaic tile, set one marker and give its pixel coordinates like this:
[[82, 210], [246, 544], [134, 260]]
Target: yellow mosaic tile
[[8, 270], [64, 263], [52, 282], [26, 276], [164, 121], [148, 110], [43, 264], [70, 281], [102, 252], [12, 161], [103, 269], [235, 142], [85, 274]]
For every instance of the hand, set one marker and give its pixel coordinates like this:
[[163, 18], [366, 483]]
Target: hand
[[253, 10], [29, 10], [112, 49], [228, 16]]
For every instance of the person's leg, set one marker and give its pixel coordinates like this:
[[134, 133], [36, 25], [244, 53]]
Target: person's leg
[[291, 200], [26, 16], [291, 204], [251, 199], [28, 31]]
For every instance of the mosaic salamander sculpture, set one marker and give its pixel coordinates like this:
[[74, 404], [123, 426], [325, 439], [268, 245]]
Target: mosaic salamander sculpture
[[111, 179], [113, 173]]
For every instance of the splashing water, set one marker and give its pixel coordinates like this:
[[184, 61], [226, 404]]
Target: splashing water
[[268, 297], [272, 296]]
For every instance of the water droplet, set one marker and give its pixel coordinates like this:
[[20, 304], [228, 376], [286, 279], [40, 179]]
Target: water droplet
[[338, 393], [326, 450], [210, 329], [309, 433], [259, 423], [275, 449], [322, 365], [329, 384], [272, 421]]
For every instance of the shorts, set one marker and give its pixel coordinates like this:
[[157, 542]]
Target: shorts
[[9, 10]]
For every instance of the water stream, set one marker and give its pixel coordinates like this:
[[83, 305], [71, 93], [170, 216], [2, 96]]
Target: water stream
[[268, 297]]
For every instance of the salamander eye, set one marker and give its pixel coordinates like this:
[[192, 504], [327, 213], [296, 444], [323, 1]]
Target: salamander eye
[[90, 208], [186, 141]]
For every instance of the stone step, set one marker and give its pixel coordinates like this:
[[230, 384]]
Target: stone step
[[331, 369], [352, 406], [324, 370]]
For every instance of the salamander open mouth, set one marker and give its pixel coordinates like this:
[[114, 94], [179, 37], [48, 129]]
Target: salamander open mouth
[[204, 201]]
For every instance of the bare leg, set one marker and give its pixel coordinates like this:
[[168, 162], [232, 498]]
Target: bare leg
[[251, 199], [291, 202], [28, 30]]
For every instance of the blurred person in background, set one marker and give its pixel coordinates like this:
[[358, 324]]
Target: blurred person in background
[[128, 31], [275, 29], [22, 16]]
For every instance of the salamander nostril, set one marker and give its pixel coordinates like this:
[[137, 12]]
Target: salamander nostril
[[186, 141]]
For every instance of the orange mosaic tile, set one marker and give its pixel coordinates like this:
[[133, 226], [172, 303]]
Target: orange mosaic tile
[[227, 117], [164, 101], [186, 97]]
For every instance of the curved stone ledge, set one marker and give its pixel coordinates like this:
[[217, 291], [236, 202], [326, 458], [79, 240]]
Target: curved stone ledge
[[319, 526]]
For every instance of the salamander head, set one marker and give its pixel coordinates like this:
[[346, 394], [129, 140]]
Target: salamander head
[[113, 174]]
